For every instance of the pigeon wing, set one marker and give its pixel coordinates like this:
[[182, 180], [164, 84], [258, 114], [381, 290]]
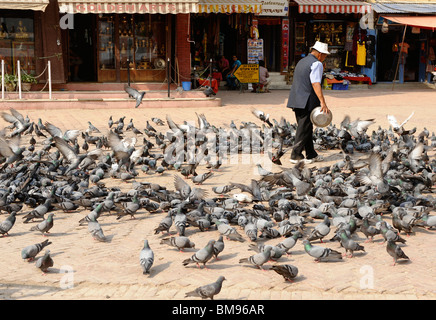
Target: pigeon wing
[[405, 121], [17, 115], [182, 186], [64, 148], [5, 149], [53, 130], [393, 121], [375, 165], [416, 153]]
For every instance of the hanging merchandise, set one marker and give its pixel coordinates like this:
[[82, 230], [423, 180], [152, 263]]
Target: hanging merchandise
[[361, 54], [385, 26], [254, 31], [349, 36], [346, 60], [205, 44]]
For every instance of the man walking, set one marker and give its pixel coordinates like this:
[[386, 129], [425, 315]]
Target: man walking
[[306, 94]]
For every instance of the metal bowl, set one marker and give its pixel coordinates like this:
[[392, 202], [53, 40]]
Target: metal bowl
[[320, 119]]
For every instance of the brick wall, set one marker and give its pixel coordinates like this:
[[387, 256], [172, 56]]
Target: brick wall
[[183, 51]]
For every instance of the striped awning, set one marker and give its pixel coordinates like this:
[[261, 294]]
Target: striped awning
[[404, 7], [36, 5], [229, 6], [128, 6], [332, 6]]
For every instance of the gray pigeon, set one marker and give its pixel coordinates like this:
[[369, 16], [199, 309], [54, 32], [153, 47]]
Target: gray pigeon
[[6, 225], [218, 247], [221, 190], [320, 231], [146, 258], [209, 92], [200, 178], [180, 242], [45, 262], [186, 191], [368, 230], [275, 254], [138, 96], [45, 225], [165, 224], [128, 208], [321, 253], [228, 231], [201, 256], [250, 230], [288, 271], [395, 251], [389, 233], [39, 211], [208, 290], [96, 231], [429, 221], [289, 242], [349, 244], [258, 259], [93, 215], [31, 251], [180, 222]]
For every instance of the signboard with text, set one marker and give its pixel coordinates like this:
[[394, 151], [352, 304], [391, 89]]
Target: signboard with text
[[247, 73], [274, 8]]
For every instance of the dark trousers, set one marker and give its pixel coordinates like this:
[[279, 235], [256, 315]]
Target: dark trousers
[[304, 134]]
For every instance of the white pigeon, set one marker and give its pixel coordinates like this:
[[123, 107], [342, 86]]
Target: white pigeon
[[242, 197], [394, 123]]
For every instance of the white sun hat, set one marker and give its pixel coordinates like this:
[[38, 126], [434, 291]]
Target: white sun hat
[[321, 47]]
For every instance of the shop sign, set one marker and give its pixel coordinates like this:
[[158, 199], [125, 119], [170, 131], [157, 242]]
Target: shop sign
[[247, 73], [120, 8], [274, 8]]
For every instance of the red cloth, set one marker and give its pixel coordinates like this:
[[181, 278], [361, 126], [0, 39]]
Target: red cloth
[[362, 79], [206, 82], [218, 76]]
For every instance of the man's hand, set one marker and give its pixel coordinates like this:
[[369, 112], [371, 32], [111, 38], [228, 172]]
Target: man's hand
[[324, 108]]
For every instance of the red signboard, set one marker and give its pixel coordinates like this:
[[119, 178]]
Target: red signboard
[[285, 44]]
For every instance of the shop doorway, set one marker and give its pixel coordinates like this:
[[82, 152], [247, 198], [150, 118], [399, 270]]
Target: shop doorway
[[81, 47], [270, 30], [387, 60]]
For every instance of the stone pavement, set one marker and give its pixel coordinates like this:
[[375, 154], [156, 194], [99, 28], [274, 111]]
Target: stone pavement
[[85, 269]]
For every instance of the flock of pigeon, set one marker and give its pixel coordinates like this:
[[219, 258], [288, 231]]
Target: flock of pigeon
[[65, 171]]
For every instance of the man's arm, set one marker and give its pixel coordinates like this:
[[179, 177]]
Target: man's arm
[[316, 79], [318, 90]]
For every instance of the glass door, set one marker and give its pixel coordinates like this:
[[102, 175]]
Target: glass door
[[106, 49]]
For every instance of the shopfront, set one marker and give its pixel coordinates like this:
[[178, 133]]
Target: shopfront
[[410, 26], [121, 41], [222, 28], [100, 42], [335, 22]]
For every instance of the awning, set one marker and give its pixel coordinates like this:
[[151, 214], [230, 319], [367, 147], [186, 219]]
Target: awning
[[404, 7], [128, 6], [229, 6], [37, 5], [424, 22], [332, 6]]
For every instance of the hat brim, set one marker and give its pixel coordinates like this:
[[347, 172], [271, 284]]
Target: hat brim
[[320, 51]]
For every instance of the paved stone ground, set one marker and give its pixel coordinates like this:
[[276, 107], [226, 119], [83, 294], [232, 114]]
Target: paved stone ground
[[85, 269]]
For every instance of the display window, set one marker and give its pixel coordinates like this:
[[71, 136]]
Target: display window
[[132, 42], [17, 41]]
